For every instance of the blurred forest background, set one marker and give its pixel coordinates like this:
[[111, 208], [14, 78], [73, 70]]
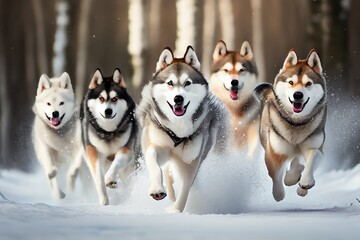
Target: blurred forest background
[[78, 36]]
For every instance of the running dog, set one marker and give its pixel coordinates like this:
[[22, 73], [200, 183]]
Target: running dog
[[293, 121], [56, 130], [109, 130], [181, 123], [233, 79]]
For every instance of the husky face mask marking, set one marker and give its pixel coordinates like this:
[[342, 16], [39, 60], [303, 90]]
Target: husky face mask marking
[[55, 100], [105, 100], [234, 71], [298, 85], [176, 83]]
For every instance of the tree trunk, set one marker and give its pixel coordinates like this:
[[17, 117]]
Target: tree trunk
[[186, 27], [258, 42], [82, 46], [209, 25], [137, 40], [227, 23], [61, 39], [40, 37], [354, 48]]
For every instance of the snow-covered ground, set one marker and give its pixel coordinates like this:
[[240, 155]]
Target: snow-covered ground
[[231, 199]]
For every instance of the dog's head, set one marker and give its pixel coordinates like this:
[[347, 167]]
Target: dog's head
[[55, 101], [300, 84], [108, 99], [178, 87], [234, 73]]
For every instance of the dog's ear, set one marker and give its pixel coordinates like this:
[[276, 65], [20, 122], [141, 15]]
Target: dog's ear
[[264, 92], [313, 61], [118, 78], [290, 61], [96, 79], [166, 57], [44, 83], [65, 81], [191, 58], [220, 50], [246, 50]]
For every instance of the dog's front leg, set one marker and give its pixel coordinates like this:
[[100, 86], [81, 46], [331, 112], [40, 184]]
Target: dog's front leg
[[95, 162], [156, 156], [121, 160], [74, 169], [307, 181]]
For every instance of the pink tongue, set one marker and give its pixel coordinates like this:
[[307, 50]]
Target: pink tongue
[[297, 107], [233, 94], [55, 121], [179, 111]]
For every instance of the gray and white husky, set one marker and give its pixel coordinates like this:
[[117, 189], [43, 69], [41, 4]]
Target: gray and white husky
[[109, 130], [56, 131], [293, 121], [181, 123]]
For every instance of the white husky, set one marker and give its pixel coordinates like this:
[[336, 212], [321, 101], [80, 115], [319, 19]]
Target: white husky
[[56, 130]]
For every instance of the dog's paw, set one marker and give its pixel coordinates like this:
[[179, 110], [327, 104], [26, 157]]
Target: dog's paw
[[301, 192], [71, 178], [112, 184], [306, 182], [104, 200], [172, 209], [278, 192], [158, 196], [58, 194]]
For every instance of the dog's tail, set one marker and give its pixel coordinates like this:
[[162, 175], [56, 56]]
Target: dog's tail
[[264, 92]]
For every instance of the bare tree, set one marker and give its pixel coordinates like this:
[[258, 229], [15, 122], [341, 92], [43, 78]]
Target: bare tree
[[137, 40], [62, 21], [208, 35], [82, 45], [186, 27], [227, 22], [40, 36], [258, 42]]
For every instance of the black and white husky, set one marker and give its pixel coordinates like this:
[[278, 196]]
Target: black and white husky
[[181, 123], [109, 130], [293, 121]]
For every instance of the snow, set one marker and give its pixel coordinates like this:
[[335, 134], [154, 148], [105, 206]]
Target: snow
[[231, 202]]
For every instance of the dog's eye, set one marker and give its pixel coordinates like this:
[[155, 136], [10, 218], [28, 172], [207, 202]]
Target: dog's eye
[[308, 84], [170, 83], [225, 70], [114, 99], [102, 99], [48, 104], [242, 70], [187, 83], [62, 103], [291, 83]]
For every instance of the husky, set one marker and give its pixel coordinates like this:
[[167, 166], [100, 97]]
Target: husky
[[56, 131], [109, 130], [181, 123], [233, 79], [293, 121]]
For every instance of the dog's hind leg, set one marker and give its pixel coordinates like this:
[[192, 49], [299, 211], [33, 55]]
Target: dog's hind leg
[[293, 175], [95, 163], [275, 166], [252, 139], [74, 169], [121, 160], [169, 181]]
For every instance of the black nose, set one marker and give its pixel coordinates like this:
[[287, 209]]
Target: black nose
[[298, 95], [108, 112], [55, 114], [234, 83], [178, 99]]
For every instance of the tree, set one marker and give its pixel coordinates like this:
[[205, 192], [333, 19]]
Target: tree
[[258, 42], [186, 27], [209, 24]]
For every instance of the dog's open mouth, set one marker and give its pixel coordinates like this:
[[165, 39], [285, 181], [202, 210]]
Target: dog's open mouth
[[55, 121], [234, 92], [179, 110], [298, 106]]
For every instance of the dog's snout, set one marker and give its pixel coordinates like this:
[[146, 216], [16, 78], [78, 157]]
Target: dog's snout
[[298, 95], [178, 99], [108, 112], [234, 82], [55, 114]]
